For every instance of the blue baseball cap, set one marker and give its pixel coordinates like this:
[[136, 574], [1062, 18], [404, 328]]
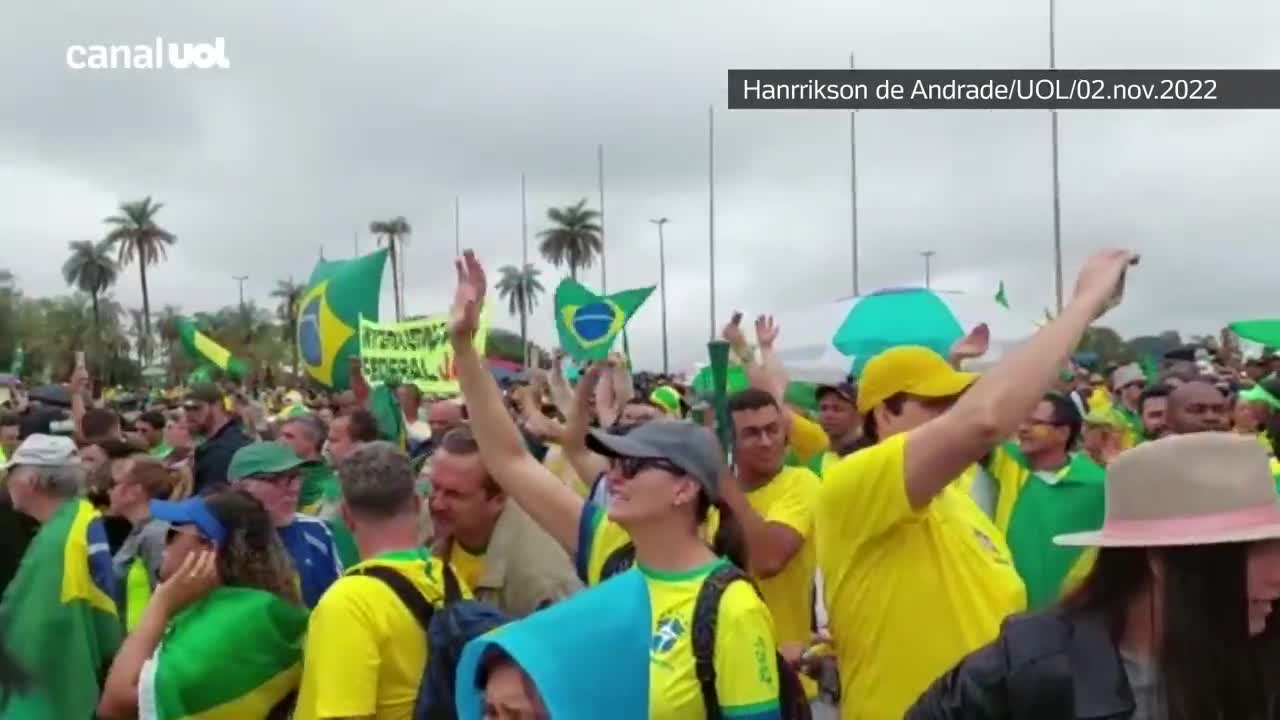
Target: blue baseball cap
[[194, 511]]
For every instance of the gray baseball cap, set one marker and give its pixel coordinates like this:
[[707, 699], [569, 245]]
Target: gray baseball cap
[[688, 446], [45, 451]]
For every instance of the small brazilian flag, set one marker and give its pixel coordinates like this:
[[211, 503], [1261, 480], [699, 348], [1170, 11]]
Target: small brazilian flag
[[204, 350], [329, 313], [589, 323]]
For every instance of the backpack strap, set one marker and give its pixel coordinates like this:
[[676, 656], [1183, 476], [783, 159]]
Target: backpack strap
[[618, 562], [452, 591], [408, 593], [706, 613]]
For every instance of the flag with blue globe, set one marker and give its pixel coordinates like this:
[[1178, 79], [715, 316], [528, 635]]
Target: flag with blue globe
[[588, 323], [338, 294]]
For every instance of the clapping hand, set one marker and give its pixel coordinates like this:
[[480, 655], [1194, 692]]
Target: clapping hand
[[766, 331]]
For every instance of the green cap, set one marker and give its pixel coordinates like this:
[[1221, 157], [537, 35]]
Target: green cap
[[1259, 394], [668, 398], [264, 458]]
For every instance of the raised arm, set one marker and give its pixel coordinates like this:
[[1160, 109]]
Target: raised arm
[[540, 493], [988, 412], [558, 387], [586, 464]]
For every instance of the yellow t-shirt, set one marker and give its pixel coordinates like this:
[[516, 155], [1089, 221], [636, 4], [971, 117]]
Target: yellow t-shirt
[[365, 651], [790, 499], [807, 438], [469, 567], [558, 463], [909, 592], [746, 670]]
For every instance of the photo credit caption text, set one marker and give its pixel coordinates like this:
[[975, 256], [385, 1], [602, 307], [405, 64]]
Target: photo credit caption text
[[1004, 89]]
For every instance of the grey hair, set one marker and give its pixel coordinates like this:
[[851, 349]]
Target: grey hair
[[377, 481], [63, 481], [314, 427]]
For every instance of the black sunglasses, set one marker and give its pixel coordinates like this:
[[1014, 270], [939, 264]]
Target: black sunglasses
[[632, 466]]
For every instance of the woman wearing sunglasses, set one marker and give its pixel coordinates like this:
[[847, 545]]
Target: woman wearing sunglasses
[[664, 478], [230, 615]]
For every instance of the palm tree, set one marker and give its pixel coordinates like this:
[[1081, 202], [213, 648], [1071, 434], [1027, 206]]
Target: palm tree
[[290, 294], [91, 269], [520, 288], [135, 230], [574, 239], [395, 232], [140, 329], [167, 327]]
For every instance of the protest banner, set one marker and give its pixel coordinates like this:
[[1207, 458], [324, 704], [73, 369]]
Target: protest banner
[[415, 351]]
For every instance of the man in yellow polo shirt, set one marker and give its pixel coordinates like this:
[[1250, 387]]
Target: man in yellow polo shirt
[[915, 575], [366, 651], [774, 506]]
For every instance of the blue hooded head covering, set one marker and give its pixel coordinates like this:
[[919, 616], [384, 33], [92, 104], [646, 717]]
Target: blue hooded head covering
[[587, 655]]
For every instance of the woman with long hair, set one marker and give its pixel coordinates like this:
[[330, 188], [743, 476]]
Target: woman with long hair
[[1172, 622], [663, 481], [229, 611]]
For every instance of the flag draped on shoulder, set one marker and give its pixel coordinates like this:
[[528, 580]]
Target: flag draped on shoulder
[[338, 294], [589, 323], [204, 349], [58, 616], [236, 653], [386, 410]]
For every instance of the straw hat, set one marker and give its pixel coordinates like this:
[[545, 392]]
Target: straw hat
[[1196, 489]]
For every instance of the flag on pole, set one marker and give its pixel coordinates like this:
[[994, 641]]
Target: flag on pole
[[203, 349], [1001, 298], [589, 323], [338, 294], [235, 653]]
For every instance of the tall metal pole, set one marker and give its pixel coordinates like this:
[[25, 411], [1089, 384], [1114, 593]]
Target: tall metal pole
[[457, 227], [1057, 198], [853, 188], [662, 289], [928, 257], [355, 239], [604, 247], [524, 267], [711, 208]]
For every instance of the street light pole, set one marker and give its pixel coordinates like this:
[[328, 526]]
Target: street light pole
[[928, 258], [240, 279], [1057, 197], [853, 187], [711, 208], [662, 289]]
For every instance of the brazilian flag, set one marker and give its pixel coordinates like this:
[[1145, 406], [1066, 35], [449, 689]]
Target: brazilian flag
[[204, 350], [337, 295], [589, 323]]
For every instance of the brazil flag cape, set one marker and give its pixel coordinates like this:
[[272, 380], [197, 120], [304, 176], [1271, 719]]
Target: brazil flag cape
[[587, 655], [58, 619], [235, 653], [1032, 510]]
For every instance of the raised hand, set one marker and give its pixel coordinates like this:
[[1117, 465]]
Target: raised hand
[[584, 392], [766, 331], [732, 332], [972, 346], [1101, 280], [468, 298]]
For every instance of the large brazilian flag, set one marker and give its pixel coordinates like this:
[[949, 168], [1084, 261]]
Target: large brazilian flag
[[58, 618], [589, 323], [338, 294], [235, 653]]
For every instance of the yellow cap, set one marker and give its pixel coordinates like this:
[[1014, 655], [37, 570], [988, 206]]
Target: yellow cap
[[909, 369]]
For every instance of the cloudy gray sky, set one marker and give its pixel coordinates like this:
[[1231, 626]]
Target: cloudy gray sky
[[341, 113]]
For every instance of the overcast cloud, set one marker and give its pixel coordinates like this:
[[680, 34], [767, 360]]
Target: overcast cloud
[[334, 114]]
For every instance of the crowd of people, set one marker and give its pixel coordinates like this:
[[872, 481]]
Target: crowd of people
[[1041, 541]]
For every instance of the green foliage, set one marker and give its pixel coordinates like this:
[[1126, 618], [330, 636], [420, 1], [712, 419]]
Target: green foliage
[[573, 240]]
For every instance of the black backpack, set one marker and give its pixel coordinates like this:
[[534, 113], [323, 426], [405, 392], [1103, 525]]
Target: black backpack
[[447, 630], [792, 702]]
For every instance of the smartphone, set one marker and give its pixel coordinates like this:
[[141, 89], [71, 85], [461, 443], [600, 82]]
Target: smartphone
[[1119, 294]]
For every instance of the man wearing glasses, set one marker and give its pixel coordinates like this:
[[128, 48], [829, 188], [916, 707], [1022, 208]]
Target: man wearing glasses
[[272, 473], [1044, 487]]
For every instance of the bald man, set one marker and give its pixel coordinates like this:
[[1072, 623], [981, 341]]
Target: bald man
[[1197, 406]]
